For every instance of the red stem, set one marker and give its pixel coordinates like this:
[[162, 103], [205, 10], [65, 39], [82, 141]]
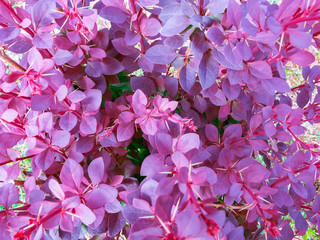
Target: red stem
[[302, 19], [137, 24], [18, 159], [41, 221], [201, 7]]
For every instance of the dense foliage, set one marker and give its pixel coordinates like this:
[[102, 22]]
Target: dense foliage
[[170, 119]]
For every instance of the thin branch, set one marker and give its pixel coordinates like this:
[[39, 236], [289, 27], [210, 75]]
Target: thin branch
[[4, 57]]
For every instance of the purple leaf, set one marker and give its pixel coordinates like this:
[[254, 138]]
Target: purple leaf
[[144, 84], [9, 140], [150, 27], [258, 145], [85, 214], [68, 121], [61, 93], [208, 70], [269, 128], [163, 207], [303, 98], [120, 45], [40, 102], [146, 3], [41, 11], [161, 54], [76, 96], [116, 222], [249, 27], [234, 76], [113, 14], [9, 115], [174, 25], [212, 133], [260, 69], [111, 66], [187, 77], [188, 224], [218, 98], [215, 35], [100, 196], [234, 13], [92, 101], [88, 125], [287, 9], [8, 33], [62, 56]]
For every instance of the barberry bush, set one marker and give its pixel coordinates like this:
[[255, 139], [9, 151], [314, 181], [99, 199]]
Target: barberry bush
[[158, 119]]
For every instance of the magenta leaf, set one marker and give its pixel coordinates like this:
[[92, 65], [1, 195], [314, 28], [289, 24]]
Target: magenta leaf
[[302, 58], [45, 159], [68, 121], [60, 138], [88, 125], [125, 131], [96, 170], [71, 174], [187, 142], [43, 40], [8, 195], [9, 115], [164, 143], [56, 189]]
